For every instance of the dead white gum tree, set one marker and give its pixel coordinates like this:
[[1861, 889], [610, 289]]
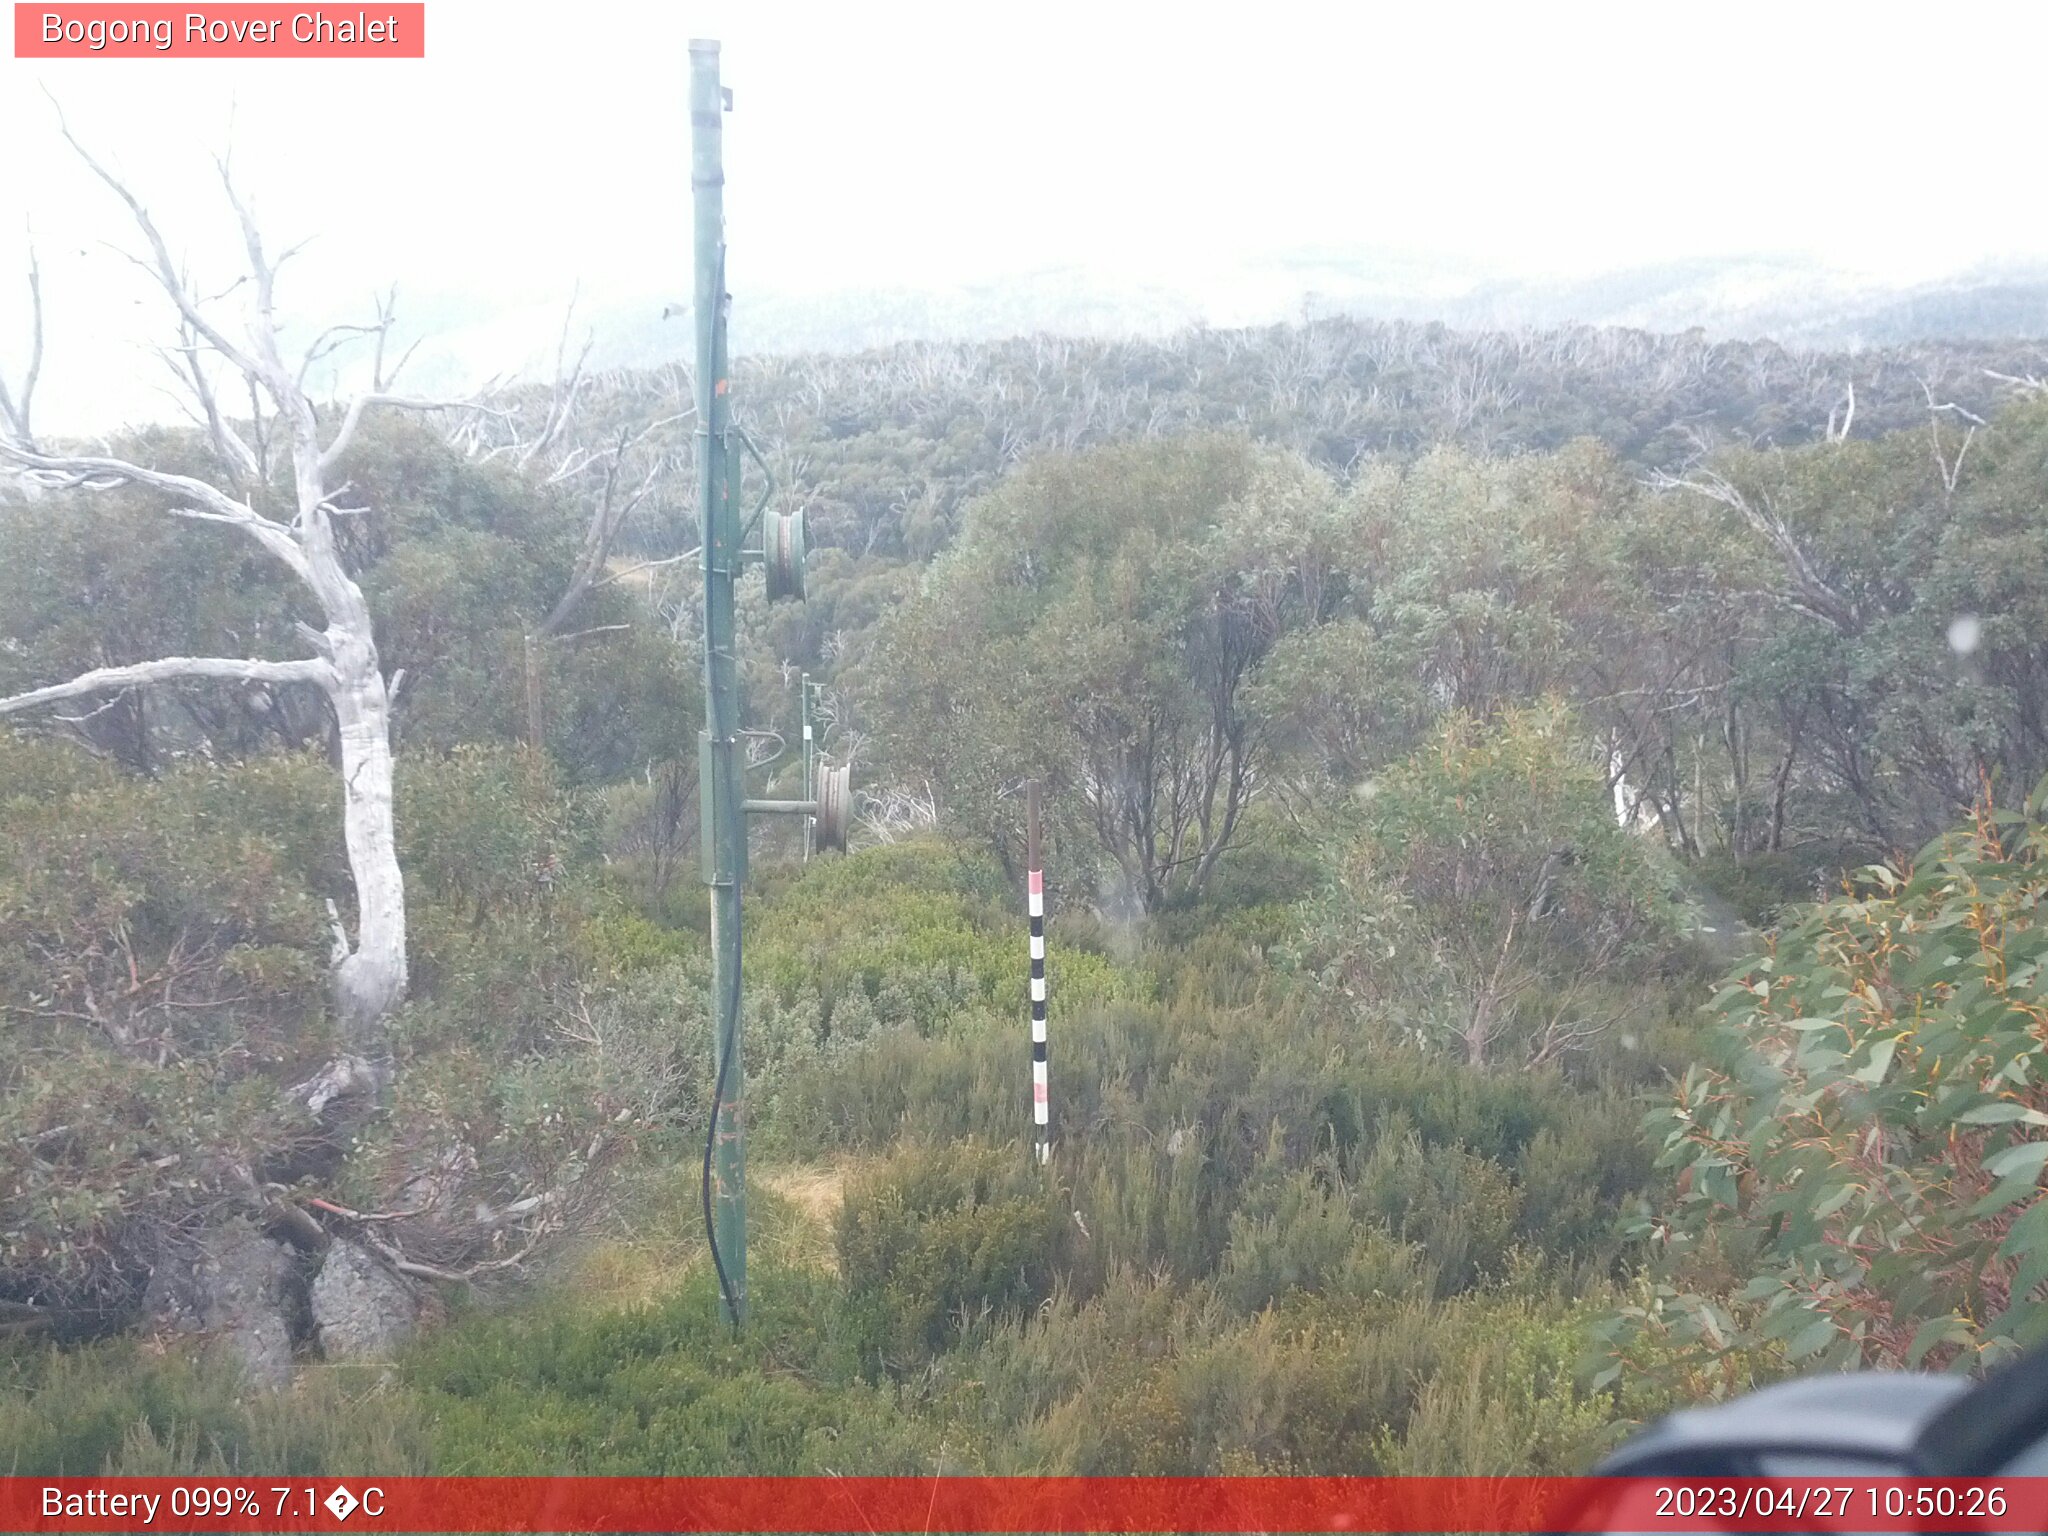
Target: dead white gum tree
[[275, 460]]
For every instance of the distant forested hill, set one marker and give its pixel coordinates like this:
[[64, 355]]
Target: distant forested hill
[[886, 445]]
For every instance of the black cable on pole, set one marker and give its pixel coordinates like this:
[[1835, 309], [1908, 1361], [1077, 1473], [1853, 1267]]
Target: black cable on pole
[[710, 1145]]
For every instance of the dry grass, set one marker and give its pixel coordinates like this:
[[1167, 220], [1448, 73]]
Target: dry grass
[[620, 1275], [805, 1211], [657, 1240], [651, 1238], [817, 1192]]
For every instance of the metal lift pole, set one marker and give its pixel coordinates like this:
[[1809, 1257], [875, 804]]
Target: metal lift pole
[[719, 784], [827, 796]]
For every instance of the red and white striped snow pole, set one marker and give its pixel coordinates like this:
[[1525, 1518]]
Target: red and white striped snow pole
[[1041, 1101]]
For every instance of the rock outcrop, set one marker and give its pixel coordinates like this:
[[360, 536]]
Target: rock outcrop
[[238, 1286], [361, 1310]]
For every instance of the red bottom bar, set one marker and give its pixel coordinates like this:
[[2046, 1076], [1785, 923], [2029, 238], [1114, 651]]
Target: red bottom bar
[[871, 1506]]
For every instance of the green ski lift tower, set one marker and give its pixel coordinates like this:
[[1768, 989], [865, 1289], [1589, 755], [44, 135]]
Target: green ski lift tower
[[722, 764]]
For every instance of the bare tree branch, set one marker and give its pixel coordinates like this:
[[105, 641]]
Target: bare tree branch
[[1951, 470], [562, 401], [165, 269], [1970, 416], [14, 411], [332, 455], [228, 445], [2024, 382], [606, 517], [393, 1255], [387, 316], [172, 669], [352, 1215], [643, 566], [1811, 591], [1838, 431], [332, 340], [96, 472]]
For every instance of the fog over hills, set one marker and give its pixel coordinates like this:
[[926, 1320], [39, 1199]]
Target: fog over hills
[[506, 330], [1793, 300]]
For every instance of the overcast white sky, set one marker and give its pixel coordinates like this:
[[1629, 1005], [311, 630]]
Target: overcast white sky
[[543, 145]]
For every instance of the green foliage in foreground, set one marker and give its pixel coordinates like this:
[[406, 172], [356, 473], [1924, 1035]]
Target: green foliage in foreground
[[1150, 1376], [1859, 1175], [1274, 1238]]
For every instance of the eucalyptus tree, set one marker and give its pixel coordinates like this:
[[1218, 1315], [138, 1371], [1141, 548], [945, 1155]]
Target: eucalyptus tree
[[1895, 590], [1099, 625]]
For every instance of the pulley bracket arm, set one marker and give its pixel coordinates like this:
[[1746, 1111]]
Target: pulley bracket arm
[[767, 493]]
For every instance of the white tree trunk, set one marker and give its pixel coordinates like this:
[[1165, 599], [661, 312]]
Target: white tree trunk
[[370, 980]]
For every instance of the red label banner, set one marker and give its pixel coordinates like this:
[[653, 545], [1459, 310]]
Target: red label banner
[[876, 1505], [223, 31]]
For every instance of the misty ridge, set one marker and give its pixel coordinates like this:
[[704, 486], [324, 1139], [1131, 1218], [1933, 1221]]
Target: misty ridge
[[1796, 302]]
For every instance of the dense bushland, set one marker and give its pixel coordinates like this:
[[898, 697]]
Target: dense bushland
[[1409, 799], [1253, 1212]]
